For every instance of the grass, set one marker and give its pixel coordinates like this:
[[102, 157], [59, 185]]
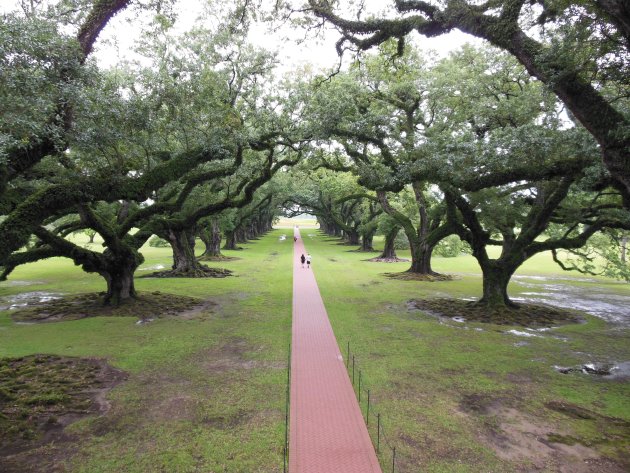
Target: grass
[[207, 394]]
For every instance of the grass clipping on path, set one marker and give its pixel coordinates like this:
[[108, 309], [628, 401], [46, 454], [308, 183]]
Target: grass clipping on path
[[41, 394], [144, 306], [526, 315]]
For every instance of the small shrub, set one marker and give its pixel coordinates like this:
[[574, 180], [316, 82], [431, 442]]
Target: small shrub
[[401, 242], [157, 242], [451, 247]]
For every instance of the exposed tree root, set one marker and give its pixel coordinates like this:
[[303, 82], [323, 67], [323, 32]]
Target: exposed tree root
[[201, 272], [387, 260], [217, 258], [409, 276]]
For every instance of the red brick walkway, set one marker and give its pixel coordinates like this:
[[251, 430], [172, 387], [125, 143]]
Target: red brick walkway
[[327, 431]]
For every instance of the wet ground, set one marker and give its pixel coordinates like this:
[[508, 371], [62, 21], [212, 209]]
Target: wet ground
[[587, 296], [25, 299]]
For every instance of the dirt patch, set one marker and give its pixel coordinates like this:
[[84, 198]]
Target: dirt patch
[[537, 445], [201, 272], [408, 276], [231, 356], [146, 306], [218, 258], [387, 260], [526, 315], [41, 394]]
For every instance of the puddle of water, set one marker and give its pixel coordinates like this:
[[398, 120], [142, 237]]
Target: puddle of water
[[25, 299], [152, 268], [520, 333], [611, 307], [620, 371], [554, 278]]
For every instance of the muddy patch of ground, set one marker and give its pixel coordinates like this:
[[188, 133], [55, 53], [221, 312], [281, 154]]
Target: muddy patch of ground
[[40, 395], [409, 276], [146, 306], [527, 315], [538, 445]]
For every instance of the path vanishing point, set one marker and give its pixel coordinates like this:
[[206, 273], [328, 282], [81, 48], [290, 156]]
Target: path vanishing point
[[327, 431]]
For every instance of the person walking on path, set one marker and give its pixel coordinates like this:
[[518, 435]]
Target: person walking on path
[[294, 238], [302, 259], [308, 260]]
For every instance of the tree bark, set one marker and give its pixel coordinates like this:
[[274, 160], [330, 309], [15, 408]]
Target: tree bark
[[230, 241], [367, 242], [211, 237], [389, 251], [496, 277], [182, 242], [624, 248], [352, 237], [421, 253], [118, 273]]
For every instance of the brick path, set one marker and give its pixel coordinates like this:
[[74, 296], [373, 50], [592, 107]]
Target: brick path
[[327, 431]]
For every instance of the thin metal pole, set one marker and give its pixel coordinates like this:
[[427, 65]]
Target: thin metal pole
[[367, 414], [394, 460], [353, 370], [378, 433], [359, 387], [348, 357]]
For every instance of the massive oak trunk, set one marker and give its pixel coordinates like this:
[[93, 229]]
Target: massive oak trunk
[[367, 241], [496, 277], [183, 245], [230, 240], [421, 253], [352, 237], [389, 251], [211, 237], [118, 271]]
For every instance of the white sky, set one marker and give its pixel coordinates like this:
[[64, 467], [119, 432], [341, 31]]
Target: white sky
[[116, 41]]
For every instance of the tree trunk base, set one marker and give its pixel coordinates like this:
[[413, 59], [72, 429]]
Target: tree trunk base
[[380, 259], [410, 276], [497, 305], [200, 272], [216, 258]]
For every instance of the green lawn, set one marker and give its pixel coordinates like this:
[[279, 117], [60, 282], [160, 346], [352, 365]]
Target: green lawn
[[207, 394]]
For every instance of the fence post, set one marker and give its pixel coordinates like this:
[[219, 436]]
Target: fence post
[[378, 433], [359, 387], [367, 414], [348, 357], [353, 370], [394, 460]]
